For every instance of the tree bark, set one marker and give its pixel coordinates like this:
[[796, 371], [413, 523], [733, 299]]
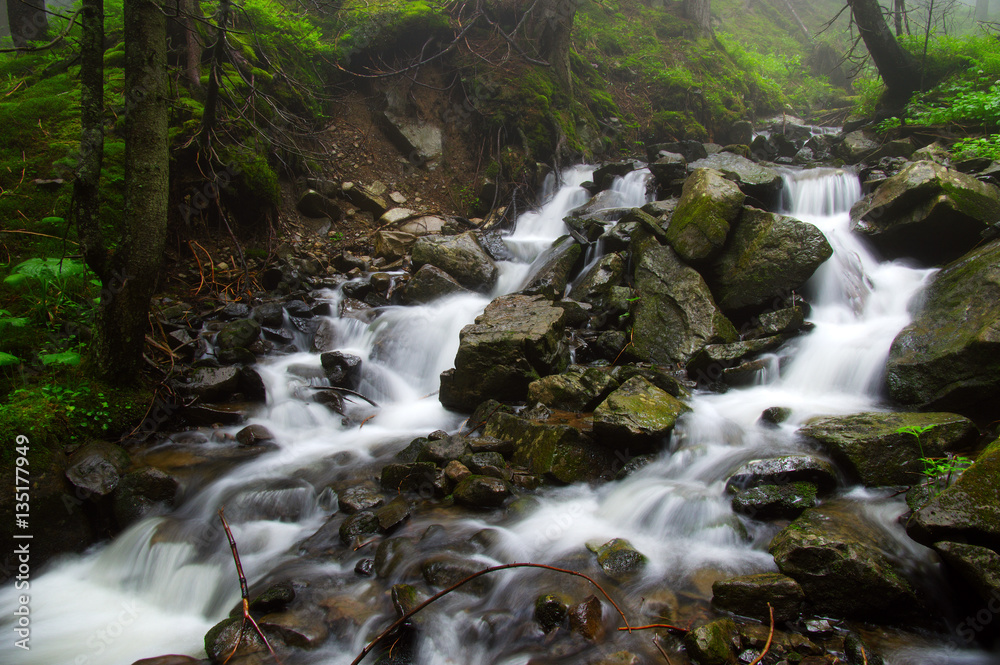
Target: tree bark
[[699, 12], [86, 187], [212, 96], [550, 28], [122, 316], [899, 12], [27, 20], [897, 68], [192, 69]]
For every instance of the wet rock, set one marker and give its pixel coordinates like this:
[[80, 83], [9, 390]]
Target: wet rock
[[303, 628], [342, 369], [978, 566], [422, 477], [947, 358], [393, 245], [784, 470], [586, 619], [238, 334], [482, 491], [390, 553], [594, 285], [444, 570], [420, 141], [141, 492], [966, 512], [550, 612], [927, 212], [579, 388], [364, 198], [619, 559], [604, 176], [709, 206], [270, 314], [455, 471], [561, 452], [781, 321], [668, 169], [552, 276], [689, 149], [773, 502], [714, 643], [460, 256], [222, 639], [756, 180], [169, 660], [251, 435], [313, 204], [876, 449], [238, 356], [767, 257], [220, 414], [274, 598], [393, 514], [358, 526], [487, 464], [213, 383], [358, 498], [637, 417], [97, 467], [405, 598], [429, 284], [659, 376], [856, 146], [443, 451], [517, 339], [708, 364], [749, 595], [676, 315], [845, 564], [858, 652]]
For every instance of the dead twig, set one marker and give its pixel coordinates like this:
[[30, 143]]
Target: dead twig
[[662, 652], [770, 636], [403, 619], [245, 593], [657, 625]]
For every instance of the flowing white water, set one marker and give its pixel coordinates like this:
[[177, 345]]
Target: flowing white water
[[160, 585]]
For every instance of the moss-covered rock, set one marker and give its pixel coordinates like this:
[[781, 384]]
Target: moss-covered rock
[[579, 388], [760, 182], [767, 257], [783, 470], [749, 595], [877, 448], [775, 502], [550, 611], [949, 357], [619, 559], [482, 491], [927, 212], [637, 417], [713, 643], [460, 256], [709, 206], [551, 277], [430, 283]]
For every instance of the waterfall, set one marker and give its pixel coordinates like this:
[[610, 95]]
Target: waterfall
[[160, 585]]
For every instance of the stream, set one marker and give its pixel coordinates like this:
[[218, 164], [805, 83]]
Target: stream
[[165, 581]]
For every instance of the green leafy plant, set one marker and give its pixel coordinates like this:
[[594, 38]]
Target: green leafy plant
[[936, 468], [83, 407]]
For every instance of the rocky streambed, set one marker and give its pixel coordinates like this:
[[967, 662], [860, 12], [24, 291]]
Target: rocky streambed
[[690, 380]]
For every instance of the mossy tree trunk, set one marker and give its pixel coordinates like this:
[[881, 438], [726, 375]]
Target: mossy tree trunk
[[86, 193], [27, 20], [699, 12], [192, 65], [135, 265], [898, 70], [899, 14], [550, 29]]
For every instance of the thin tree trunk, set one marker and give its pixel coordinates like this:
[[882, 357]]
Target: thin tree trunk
[[86, 187], [550, 27], [899, 12], [798, 21], [122, 317], [192, 68], [27, 20], [700, 13], [212, 96], [897, 69]]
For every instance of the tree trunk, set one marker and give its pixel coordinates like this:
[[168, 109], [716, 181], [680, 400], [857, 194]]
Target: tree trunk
[[27, 20], [212, 96], [899, 13], [86, 192], [192, 69], [699, 12], [550, 28], [122, 317], [898, 70]]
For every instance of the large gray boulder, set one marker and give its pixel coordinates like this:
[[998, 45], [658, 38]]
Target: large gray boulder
[[675, 315], [595, 285], [878, 448], [579, 388], [845, 564], [551, 277], [927, 212], [429, 284], [761, 182], [709, 206], [516, 340], [949, 357], [460, 256], [637, 417], [767, 256]]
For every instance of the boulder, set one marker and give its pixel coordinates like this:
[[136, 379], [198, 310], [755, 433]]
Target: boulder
[[444, 450], [360, 497], [562, 452], [429, 284], [756, 180], [775, 502], [856, 146], [238, 334], [708, 364], [619, 559], [254, 434], [978, 566], [579, 388], [669, 168], [637, 417], [364, 198], [482, 491], [342, 369], [445, 570], [675, 315], [315, 205], [460, 256], [927, 212], [97, 467], [595, 284], [783, 470], [949, 356], [393, 245], [517, 339], [392, 515], [420, 142], [357, 526], [303, 627], [845, 564], [713, 643], [141, 492], [966, 512], [423, 225], [767, 257], [748, 595], [876, 448], [709, 206], [423, 477], [551, 277]]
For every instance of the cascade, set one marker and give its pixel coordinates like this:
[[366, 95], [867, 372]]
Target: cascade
[[161, 584]]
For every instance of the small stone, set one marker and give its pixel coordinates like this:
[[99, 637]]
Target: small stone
[[586, 619], [456, 471], [550, 611], [251, 435], [365, 567]]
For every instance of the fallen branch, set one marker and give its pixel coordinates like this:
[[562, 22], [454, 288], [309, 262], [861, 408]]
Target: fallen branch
[[403, 619], [662, 652], [245, 593], [770, 636], [657, 625]]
